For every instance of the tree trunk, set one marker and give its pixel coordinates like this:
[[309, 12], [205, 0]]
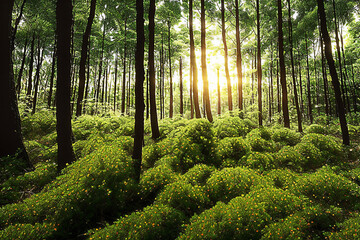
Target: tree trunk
[[124, 72], [181, 89], [171, 109], [298, 112], [259, 71], [308, 82], [19, 77], [87, 77], [63, 111], [37, 75], [153, 114], [218, 92], [139, 89], [17, 21], [238, 58], [204, 65], [285, 107], [52, 75], [29, 86], [193, 65], [323, 68], [84, 50], [147, 94], [333, 73], [227, 74], [10, 130]]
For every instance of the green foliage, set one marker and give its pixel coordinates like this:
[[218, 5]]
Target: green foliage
[[231, 148], [154, 180], [97, 185], [312, 158], [316, 128], [349, 229], [39, 152], [230, 126], [289, 157], [286, 136], [38, 125], [198, 174], [11, 166], [260, 140], [154, 222], [261, 161], [228, 183], [156, 151], [331, 149], [38, 231], [18, 188], [184, 196], [327, 187], [282, 178]]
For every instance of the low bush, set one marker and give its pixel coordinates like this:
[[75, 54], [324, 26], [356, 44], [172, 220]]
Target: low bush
[[38, 125], [349, 229], [260, 140], [154, 222], [155, 151], [225, 184], [312, 157], [286, 136], [38, 231], [231, 126], [289, 157], [259, 161], [316, 128], [282, 178], [198, 174], [233, 148]]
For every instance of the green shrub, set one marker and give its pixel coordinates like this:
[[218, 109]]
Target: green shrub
[[154, 180], [289, 157], [282, 178], [260, 161], [155, 151], [18, 188], [312, 158], [331, 150], [228, 183], [349, 229], [198, 174], [185, 197], [88, 190], [231, 127], [316, 128], [286, 136], [154, 222], [260, 140], [329, 188], [38, 231], [38, 125], [232, 148], [12, 166]]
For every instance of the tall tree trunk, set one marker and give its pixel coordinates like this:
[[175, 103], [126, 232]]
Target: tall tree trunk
[[124, 72], [285, 107], [161, 76], [171, 109], [193, 63], [84, 51], [147, 94], [323, 68], [87, 77], [259, 70], [19, 77], [153, 115], [31, 67], [63, 111], [333, 73], [278, 87], [308, 82], [271, 93], [298, 112], [100, 65], [204, 66], [52, 75], [115, 81], [139, 89], [181, 89], [10, 130], [17, 22], [37, 75], [238, 57], [218, 92], [227, 74]]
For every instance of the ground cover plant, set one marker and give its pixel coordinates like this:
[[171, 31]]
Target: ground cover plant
[[200, 180]]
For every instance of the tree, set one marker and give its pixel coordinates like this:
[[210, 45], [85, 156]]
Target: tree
[[181, 88], [259, 70], [139, 89], [84, 51], [153, 114], [333, 73], [10, 130], [203, 64], [63, 110], [238, 57], [285, 108]]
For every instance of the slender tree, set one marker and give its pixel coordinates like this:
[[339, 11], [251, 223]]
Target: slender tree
[[171, 109], [139, 89], [259, 70], [181, 88], [308, 82], [238, 57], [333, 73], [19, 77], [123, 93], [10, 130], [63, 110], [52, 75], [285, 107], [84, 51], [153, 114]]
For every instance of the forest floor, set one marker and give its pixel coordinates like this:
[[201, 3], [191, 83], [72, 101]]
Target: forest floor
[[224, 180]]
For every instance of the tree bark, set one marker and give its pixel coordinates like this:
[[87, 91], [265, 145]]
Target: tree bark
[[124, 71], [181, 89], [10, 130], [308, 82], [218, 92], [52, 75], [63, 111], [37, 75], [153, 113], [171, 109], [333, 73], [238, 58], [204, 65], [17, 21], [84, 51], [19, 77], [29, 86], [285, 107], [259, 70], [139, 89]]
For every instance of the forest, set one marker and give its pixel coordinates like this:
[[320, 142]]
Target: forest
[[180, 119]]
